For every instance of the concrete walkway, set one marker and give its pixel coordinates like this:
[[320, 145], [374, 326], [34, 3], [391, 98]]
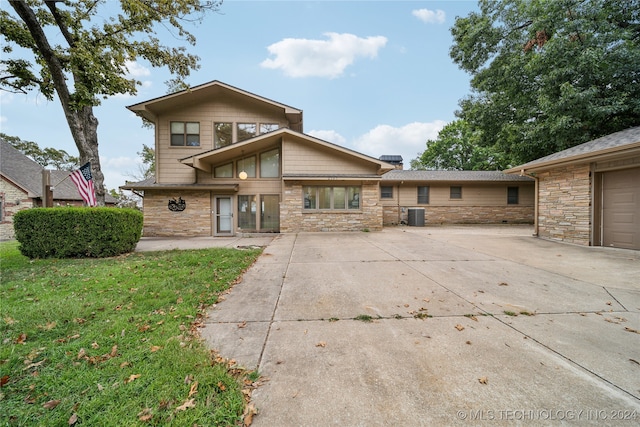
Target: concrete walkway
[[436, 326]]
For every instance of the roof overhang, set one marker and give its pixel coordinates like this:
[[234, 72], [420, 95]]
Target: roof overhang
[[613, 153], [150, 109], [207, 187], [204, 161]]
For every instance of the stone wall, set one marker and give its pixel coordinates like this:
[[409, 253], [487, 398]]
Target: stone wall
[[564, 207], [159, 221], [294, 219], [13, 200], [511, 214]]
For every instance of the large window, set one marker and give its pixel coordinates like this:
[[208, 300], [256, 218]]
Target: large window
[[246, 131], [423, 195], [336, 198], [185, 134], [268, 127], [455, 192], [512, 195], [270, 164], [222, 134], [248, 165], [224, 171]]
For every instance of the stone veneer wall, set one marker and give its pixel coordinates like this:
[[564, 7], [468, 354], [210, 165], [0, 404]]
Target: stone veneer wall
[[512, 214], [564, 206], [294, 219], [159, 221], [10, 195]]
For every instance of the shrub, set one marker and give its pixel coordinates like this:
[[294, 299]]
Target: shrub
[[74, 232]]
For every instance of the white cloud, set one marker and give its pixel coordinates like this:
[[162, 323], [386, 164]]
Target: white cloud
[[134, 69], [429, 16], [118, 170], [321, 58], [408, 140], [329, 136]]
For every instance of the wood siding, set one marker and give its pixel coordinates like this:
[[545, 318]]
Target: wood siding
[[301, 157], [235, 110]]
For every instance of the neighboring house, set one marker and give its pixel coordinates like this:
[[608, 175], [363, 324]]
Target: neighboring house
[[457, 197], [590, 194], [21, 187], [229, 161]]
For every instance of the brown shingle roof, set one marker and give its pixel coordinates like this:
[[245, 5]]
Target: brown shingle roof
[[452, 176], [614, 142]]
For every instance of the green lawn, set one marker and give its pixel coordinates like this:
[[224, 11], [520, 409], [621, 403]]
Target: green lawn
[[114, 342]]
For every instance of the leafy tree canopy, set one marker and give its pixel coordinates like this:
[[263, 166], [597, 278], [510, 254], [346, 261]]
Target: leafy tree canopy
[[81, 51], [45, 157], [548, 75], [457, 148]]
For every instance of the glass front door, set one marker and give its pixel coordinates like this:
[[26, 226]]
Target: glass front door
[[270, 213], [223, 216]]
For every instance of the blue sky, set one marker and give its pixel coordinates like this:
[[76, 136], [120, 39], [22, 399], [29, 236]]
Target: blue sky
[[372, 76]]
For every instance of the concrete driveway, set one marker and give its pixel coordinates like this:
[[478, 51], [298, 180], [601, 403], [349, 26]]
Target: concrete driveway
[[436, 326]]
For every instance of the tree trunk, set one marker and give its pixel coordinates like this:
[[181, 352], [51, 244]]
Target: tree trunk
[[84, 129]]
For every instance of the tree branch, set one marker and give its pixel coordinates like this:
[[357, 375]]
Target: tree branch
[[51, 4]]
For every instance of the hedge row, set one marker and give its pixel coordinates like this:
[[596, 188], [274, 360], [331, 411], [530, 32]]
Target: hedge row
[[74, 232]]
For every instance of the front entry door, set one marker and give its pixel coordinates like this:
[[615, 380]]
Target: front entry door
[[223, 216]]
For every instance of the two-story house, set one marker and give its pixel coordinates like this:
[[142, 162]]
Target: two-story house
[[229, 161]]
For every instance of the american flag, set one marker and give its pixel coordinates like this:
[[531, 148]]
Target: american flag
[[84, 182]]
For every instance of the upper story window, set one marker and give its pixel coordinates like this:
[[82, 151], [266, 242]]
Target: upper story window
[[455, 192], [268, 127], [423, 195], [222, 134], [248, 165], [223, 171], [246, 131], [185, 134], [270, 164], [386, 192], [512, 195]]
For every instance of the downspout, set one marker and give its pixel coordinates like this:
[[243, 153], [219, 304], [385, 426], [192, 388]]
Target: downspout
[[535, 200]]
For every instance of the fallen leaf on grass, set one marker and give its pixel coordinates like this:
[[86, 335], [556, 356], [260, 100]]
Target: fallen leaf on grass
[[132, 377], [21, 339], [155, 348], [73, 419], [221, 386], [51, 404], [4, 380], [483, 380], [82, 353], [186, 405], [194, 389], [95, 345], [459, 327], [145, 415], [114, 351]]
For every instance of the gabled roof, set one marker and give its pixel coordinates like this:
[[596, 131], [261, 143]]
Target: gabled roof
[[612, 145], [451, 176], [27, 174], [204, 160], [149, 109], [20, 169]]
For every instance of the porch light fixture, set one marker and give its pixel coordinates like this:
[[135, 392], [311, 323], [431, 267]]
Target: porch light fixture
[[242, 175]]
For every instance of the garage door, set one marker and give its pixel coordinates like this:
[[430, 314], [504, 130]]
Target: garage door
[[621, 208]]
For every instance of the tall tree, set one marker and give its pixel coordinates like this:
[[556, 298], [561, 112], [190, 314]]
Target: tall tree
[[91, 62], [548, 75], [457, 148]]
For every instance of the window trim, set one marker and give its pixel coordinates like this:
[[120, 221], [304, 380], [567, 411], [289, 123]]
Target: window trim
[[387, 195], [512, 197], [457, 195], [353, 205], [185, 135], [418, 195]]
